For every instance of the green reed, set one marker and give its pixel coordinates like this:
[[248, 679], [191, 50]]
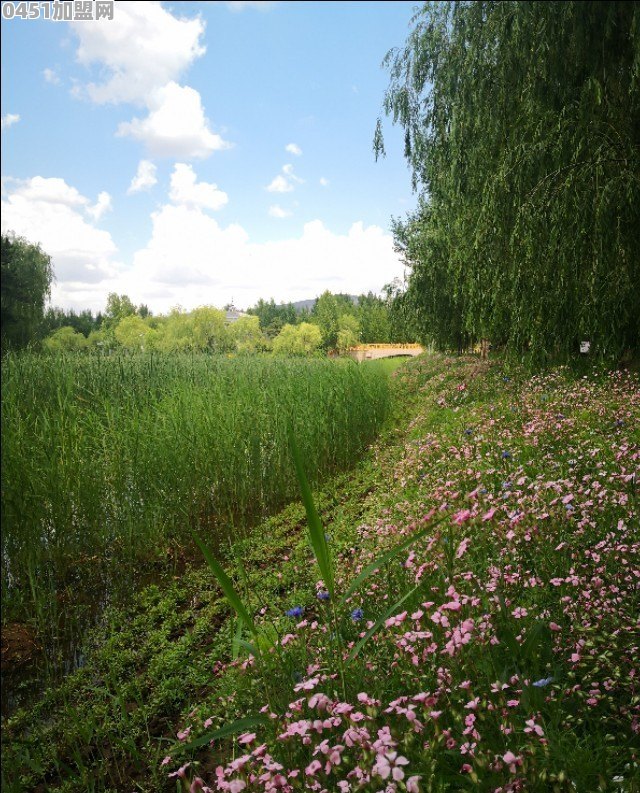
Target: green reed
[[110, 462]]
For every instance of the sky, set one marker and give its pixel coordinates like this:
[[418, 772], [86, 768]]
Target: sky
[[202, 153]]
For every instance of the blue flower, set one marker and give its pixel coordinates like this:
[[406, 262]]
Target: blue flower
[[468, 431], [544, 682], [506, 485], [357, 615], [506, 455], [323, 596], [296, 611], [506, 379]]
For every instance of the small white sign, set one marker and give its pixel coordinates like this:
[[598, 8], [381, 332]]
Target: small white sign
[[585, 346]]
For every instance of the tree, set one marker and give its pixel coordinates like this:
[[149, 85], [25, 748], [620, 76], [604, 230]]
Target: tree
[[303, 339], [247, 336], [373, 317], [65, 339], [27, 274], [522, 132], [348, 332], [133, 333]]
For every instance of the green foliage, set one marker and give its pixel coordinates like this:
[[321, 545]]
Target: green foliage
[[348, 332], [25, 285], [247, 336], [65, 339], [521, 129], [303, 339], [133, 333]]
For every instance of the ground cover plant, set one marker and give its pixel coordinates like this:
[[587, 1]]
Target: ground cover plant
[[108, 461], [496, 650]]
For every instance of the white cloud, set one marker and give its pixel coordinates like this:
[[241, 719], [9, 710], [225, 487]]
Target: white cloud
[[145, 177], [143, 48], [293, 148], [288, 171], [220, 264], [283, 183], [276, 211], [9, 120], [279, 185], [102, 205], [186, 190], [176, 125], [51, 77], [324, 182], [51, 212]]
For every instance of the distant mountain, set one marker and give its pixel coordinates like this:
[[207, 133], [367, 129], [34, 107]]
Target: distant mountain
[[300, 305]]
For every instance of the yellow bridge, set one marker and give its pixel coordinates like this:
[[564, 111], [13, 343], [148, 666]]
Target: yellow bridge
[[370, 352]]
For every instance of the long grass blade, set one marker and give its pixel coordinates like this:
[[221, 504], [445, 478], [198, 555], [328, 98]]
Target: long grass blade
[[228, 729], [387, 557], [316, 532], [226, 586]]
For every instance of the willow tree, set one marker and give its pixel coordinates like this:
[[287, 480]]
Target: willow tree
[[522, 132]]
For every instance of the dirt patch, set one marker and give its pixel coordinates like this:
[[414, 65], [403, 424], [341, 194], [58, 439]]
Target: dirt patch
[[19, 646]]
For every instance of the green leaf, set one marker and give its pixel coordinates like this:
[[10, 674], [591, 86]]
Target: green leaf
[[226, 585], [382, 560], [374, 628], [228, 729], [316, 532]]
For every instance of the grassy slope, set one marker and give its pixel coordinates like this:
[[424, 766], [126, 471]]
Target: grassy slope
[[164, 664]]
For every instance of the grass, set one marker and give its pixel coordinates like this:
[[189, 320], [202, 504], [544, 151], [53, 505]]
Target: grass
[[511, 663], [110, 462]]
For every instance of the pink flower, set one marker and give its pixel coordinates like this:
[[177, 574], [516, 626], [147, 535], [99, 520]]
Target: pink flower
[[554, 626], [488, 515], [248, 737], [512, 761], [313, 767], [412, 784], [184, 734], [390, 764]]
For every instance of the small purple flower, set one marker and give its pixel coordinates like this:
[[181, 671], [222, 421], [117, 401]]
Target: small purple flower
[[468, 431], [541, 683], [296, 611], [357, 615], [323, 596], [506, 455]]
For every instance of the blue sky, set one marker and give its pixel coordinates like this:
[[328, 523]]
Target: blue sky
[[197, 152]]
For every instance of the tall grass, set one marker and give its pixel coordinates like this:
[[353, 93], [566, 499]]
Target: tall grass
[[110, 462]]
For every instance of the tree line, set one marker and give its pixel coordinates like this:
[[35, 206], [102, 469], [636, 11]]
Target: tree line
[[330, 323]]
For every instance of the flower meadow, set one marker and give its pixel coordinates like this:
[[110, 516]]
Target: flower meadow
[[495, 645], [458, 611]]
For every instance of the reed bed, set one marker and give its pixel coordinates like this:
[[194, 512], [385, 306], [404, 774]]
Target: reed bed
[[110, 462]]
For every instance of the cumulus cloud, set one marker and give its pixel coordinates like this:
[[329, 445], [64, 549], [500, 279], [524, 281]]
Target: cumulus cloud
[[220, 264], [141, 54], [324, 182], [9, 120], [276, 211], [143, 48], [279, 185], [293, 148], [176, 125], [56, 215], [185, 189], [51, 77], [145, 177], [102, 205]]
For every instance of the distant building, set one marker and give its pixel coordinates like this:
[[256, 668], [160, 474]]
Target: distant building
[[233, 315]]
